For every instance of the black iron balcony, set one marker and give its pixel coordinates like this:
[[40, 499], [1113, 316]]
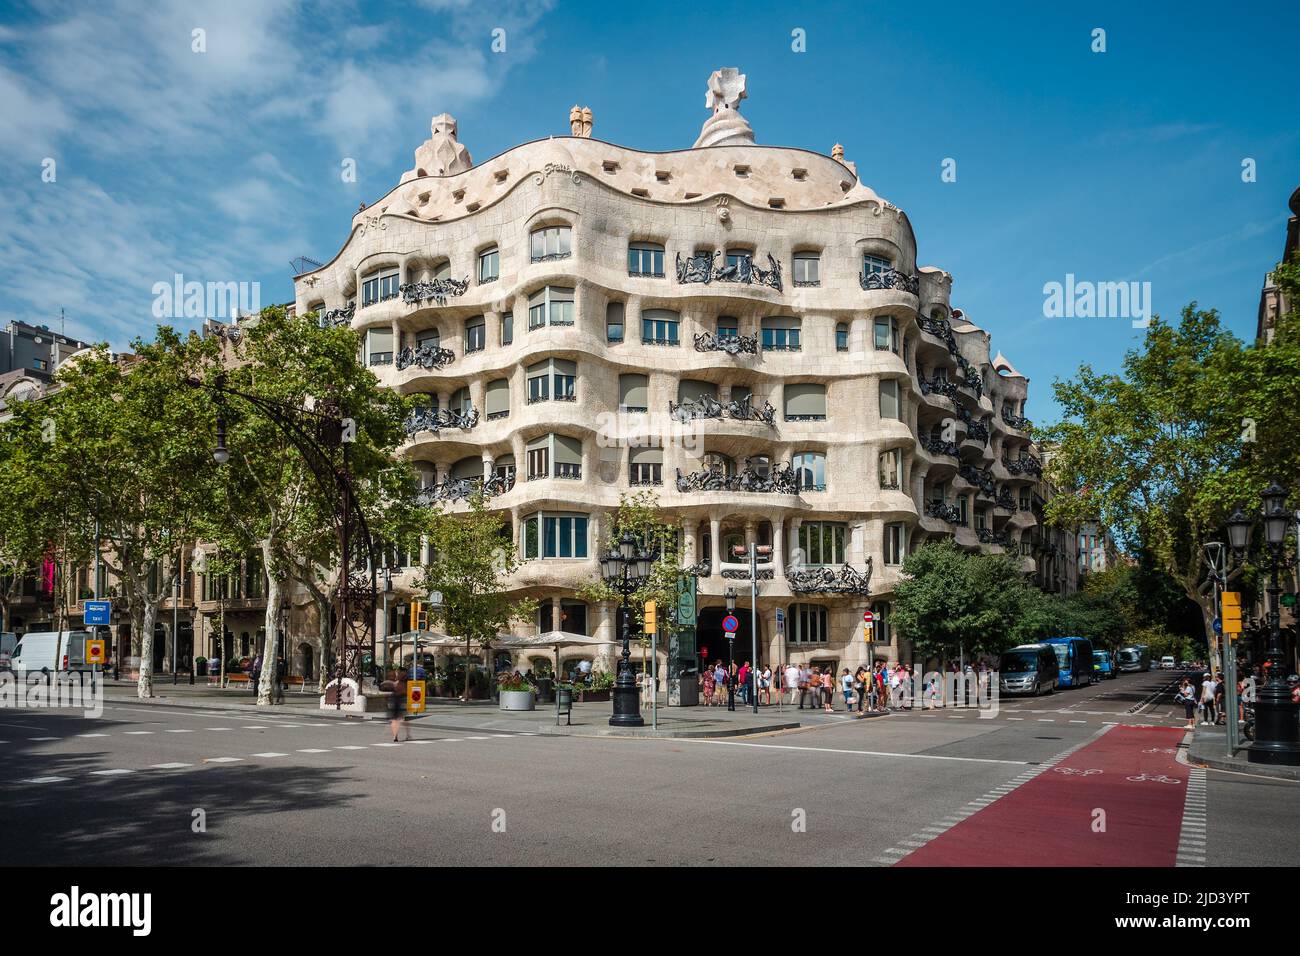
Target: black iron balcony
[[1025, 465], [437, 291], [1005, 500], [779, 479], [708, 407], [938, 386], [337, 317], [731, 344], [435, 420], [551, 257], [461, 489], [989, 536], [1018, 422], [889, 279], [702, 267], [944, 512], [425, 356], [937, 446], [981, 479], [825, 580]]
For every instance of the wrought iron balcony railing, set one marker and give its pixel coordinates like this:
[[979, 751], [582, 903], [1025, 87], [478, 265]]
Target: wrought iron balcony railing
[[938, 386], [1018, 422], [937, 446], [435, 420], [337, 317], [425, 356], [742, 574], [827, 580], [981, 479], [889, 279], [731, 344], [701, 570], [437, 291], [1006, 500], [943, 511], [707, 407], [703, 267], [1026, 465], [779, 479], [989, 536], [461, 489]]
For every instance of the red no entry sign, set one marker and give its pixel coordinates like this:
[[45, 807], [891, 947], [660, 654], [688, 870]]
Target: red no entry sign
[[867, 617], [730, 624]]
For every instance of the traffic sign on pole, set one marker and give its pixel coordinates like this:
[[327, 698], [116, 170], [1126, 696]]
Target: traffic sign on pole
[[867, 617], [651, 617], [415, 694], [94, 651], [1231, 601], [96, 613], [730, 624]]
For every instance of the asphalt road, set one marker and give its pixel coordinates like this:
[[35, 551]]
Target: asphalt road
[[133, 787]]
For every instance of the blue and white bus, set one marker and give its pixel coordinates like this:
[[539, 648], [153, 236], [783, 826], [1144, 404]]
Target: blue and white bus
[[1073, 660]]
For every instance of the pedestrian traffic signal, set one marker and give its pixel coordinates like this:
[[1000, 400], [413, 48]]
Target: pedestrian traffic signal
[[1231, 617], [651, 617], [417, 612]]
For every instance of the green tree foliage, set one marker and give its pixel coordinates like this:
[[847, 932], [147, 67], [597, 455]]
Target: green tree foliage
[[1195, 424], [473, 556]]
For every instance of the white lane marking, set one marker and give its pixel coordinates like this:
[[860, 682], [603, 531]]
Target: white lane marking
[[222, 759], [254, 727], [47, 780], [833, 750], [1015, 718], [350, 747], [288, 725], [1078, 721], [217, 730], [394, 744], [1047, 720], [138, 733], [313, 750], [110, 773], [169, 766], [1191, 837], [92, 735], [42, 738], [270, 753], [180, 731]]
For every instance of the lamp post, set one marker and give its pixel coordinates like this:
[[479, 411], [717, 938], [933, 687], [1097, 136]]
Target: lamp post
[[1277, 735], [731, 650], [624, 569]]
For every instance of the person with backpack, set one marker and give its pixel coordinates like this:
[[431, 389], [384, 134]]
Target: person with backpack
[[1207, 699], [1187, 698]]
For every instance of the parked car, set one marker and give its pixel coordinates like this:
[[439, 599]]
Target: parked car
[[1167, 662]]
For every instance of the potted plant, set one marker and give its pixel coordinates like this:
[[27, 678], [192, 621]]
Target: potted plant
[[516, 693], [600, 687]]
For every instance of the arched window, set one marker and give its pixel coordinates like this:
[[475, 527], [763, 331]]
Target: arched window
[[645, 259], [489, 265], [551, 242], [810, 469]]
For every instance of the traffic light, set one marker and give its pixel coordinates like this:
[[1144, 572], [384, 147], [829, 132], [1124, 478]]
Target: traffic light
[[416, 612], [1231, 615], [651, 617]]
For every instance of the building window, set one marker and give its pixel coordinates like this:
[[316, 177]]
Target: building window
[[555, 536], [539, 462], [822, 542], [633, 392], [886, 334], [810, 468], [891, 469], [780, 334], [489, 265], [981, 519], [552, 305], [379, 286], [895, 543], [553, 242], [507, 328], [614, 318], [379, 347], [807, 269], [497, 399], [883, 633], [808, 624], [805, 402], [875, 264], [961, 511], [1024, 499], [504, 468], [645, 259], [553, 378], [841, 337], [645, 466], [728, 328], [475, 334], [659, 327], [539, 383], [740, 259], [558, 456], [889, 404]]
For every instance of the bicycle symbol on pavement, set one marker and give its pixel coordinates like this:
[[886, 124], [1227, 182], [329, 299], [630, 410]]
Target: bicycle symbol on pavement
[[1074, 771], [1156, 778]]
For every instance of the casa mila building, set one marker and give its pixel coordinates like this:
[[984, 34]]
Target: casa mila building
[[743, 330]]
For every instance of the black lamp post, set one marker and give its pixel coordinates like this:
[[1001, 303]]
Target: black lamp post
[[1277, 733], [624, 570], [731, 651]]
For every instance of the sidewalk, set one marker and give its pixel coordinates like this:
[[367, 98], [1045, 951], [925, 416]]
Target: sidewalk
[[589, 719], [1209, 748]]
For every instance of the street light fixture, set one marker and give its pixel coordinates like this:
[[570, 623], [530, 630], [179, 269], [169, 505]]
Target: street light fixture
[[625, 570], [221, 454], [731, 648], [1238, 530]]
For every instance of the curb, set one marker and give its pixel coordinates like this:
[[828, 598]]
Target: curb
[[1237, 765], [646, 732]]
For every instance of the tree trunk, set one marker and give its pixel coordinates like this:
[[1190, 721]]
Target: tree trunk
[[324, 631], [146, 615], [271, 649], [467, 669]]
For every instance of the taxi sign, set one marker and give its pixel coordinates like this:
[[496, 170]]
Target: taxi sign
[[730, 624], [416, 691], [94, 651]]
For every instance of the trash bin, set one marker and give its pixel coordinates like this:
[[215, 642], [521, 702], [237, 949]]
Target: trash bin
[[545, 690], [563, 704]]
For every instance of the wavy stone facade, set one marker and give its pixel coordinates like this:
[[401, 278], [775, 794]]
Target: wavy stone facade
[[757, 308]]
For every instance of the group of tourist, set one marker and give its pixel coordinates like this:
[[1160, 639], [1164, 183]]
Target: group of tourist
[[813, 687]]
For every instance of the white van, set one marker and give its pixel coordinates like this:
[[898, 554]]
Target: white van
[[50, 650], [1167, 662]]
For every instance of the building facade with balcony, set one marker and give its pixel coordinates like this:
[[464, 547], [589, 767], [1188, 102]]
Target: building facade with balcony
[[743, 329]]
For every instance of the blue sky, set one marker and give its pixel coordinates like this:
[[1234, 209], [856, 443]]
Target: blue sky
[[224, 165]]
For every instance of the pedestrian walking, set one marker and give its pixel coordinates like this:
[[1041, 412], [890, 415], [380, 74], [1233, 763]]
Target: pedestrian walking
[[743, 679], [860, 687], [792, 682], [765, 685], [395, 685], [1207, 699], [256, 669], [828, 691], [1187, 698], [707, 685], [846, 688]]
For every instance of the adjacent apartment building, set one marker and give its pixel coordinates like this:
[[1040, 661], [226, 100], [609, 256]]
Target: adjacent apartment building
[[744, 329]]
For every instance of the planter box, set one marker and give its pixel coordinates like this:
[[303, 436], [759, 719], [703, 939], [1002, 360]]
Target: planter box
[[589, 696], [517, 700]]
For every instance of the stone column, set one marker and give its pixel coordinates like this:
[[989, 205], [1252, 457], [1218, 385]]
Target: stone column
[[715, 526], [555, 613], [689, 550], [778, 549]]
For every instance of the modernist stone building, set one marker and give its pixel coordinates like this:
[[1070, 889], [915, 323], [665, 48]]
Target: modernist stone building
[[756, 312]]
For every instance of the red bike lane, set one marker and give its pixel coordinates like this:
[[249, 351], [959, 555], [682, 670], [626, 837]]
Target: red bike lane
[[1110, 803]]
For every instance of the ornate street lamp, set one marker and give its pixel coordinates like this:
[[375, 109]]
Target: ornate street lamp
[[1277, 733], [731, 649], [1239, 531], [625, 570]]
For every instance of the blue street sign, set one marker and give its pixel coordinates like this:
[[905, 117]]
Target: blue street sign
[[1218, 626], [780, 621], [730, 624], [97, 612]]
